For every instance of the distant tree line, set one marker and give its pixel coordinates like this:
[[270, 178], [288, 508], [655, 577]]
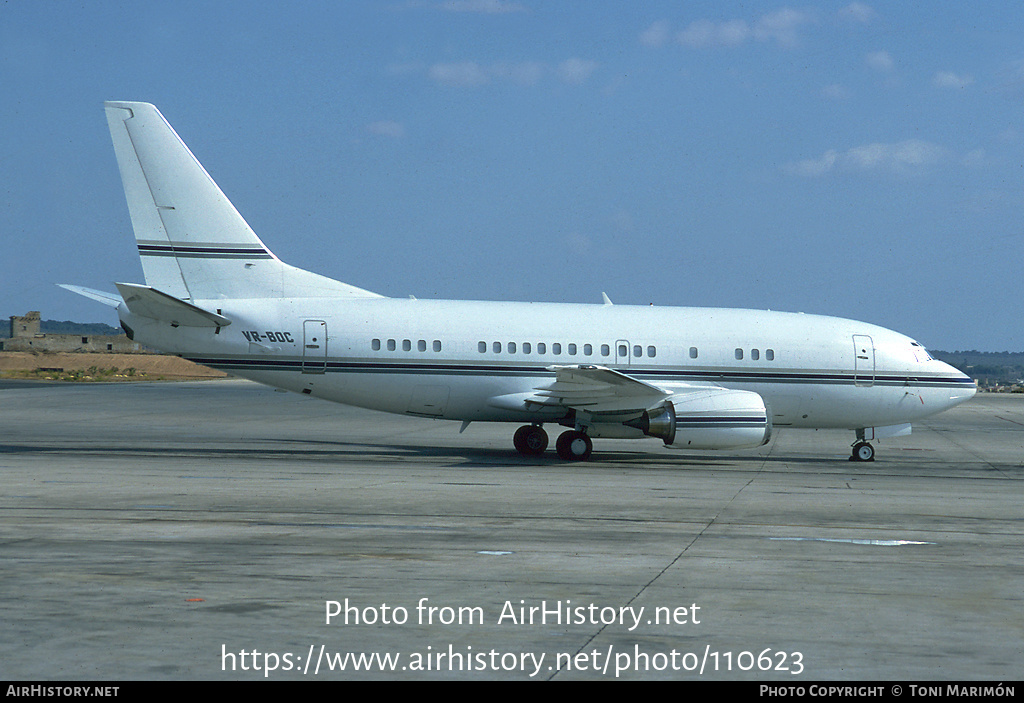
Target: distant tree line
[[985, 367]]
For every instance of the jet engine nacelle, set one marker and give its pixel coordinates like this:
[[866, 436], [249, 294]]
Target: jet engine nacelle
[[716, 418]]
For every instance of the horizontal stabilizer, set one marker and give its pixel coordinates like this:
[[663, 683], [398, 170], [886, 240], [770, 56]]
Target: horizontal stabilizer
[[98, 295], [149, 302]]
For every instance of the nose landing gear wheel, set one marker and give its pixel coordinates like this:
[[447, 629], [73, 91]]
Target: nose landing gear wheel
[[574, 446], [530, 440], [862, 451]]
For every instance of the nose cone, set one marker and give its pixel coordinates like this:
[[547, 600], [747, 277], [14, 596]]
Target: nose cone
[[961, 386]]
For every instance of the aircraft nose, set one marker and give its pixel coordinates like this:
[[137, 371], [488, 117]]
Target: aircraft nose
[[965, 387]]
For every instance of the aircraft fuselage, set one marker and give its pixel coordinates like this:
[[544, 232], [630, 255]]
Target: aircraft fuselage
[[455, 359]]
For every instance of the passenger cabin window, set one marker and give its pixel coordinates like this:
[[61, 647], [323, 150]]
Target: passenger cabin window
[[421, 345], [739, 354], [556, 348], [769, 354], [652, 351], [511, 347], [605, 350], [693, 352], [755, 354], [527, 348], [481, 347], [542, 348]]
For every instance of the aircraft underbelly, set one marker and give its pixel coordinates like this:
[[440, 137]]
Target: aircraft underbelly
[[454, 398]]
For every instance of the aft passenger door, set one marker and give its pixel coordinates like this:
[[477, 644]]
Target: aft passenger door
[[314, 346], [863, 360]]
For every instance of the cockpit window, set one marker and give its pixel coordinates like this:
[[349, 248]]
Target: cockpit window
[[920, 353]]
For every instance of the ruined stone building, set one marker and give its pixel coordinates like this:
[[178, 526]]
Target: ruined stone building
[[26, 335]]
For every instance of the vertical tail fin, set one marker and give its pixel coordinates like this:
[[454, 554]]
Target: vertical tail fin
[[193, 242]]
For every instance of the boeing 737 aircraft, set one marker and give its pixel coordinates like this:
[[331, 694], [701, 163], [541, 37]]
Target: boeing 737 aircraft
[[694, 378]]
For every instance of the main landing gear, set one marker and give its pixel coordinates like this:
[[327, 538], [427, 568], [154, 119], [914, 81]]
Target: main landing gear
[[530, 440], [572, 445]]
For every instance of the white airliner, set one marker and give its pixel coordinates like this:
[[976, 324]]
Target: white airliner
[[695, 378]]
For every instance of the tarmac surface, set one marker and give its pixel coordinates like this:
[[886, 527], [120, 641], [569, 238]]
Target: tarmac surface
[[205, 531]]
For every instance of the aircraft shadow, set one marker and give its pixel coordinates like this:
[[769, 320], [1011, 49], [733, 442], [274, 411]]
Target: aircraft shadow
[[338, 451]]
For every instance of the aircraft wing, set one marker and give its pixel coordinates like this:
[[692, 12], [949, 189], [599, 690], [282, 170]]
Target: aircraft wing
[[598, 389], [594, 389]]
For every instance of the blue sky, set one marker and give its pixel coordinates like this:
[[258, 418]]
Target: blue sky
[[863, 159]]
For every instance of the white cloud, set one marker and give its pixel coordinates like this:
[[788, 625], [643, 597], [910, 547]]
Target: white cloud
[[880, 61], [655, 35], [900, 156], [472, 74], [781, 26], [906, 157], [836, 91], [699, 34], [576, 70], [778, 27], [467, 73], [490, 7], [813, 167], [948, 79], [523, 73], [705, 33]]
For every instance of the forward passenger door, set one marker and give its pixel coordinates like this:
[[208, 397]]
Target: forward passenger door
[[863, 360]]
